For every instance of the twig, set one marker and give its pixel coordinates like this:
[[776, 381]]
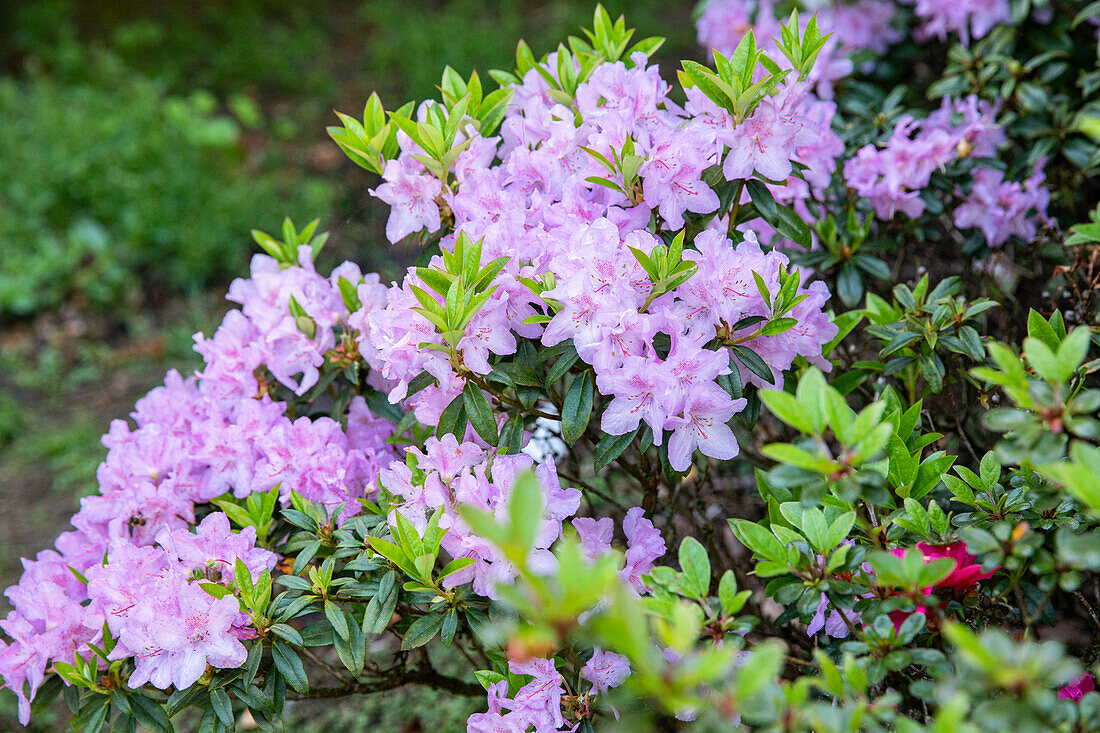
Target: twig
[[426, 677]]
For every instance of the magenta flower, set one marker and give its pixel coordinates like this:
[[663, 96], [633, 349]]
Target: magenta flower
[[966, 573], [961, 582], [1078, 688]]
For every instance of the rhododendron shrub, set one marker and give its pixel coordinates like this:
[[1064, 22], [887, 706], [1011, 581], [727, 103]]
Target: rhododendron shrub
[[594, 450]]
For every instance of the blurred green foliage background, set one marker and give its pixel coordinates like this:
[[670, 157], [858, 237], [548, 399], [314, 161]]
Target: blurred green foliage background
[[139, 143]]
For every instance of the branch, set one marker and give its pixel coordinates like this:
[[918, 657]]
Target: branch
[[420, 676]]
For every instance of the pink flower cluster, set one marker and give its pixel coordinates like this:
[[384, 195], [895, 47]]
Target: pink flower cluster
[[535, 206], [644, 544], [538, 704], [196, 439], [153, 604], [148, 597], [864, 25], [1003, 208], [971, 19], [447, 474], [264, 333], [525, 195], [893, 176]]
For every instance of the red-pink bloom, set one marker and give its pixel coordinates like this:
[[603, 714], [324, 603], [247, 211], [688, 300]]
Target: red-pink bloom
[[1076, 690], [966, 574], [959, 583]]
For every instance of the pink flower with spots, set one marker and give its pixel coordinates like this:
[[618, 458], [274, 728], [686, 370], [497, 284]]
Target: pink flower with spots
[[703, 426], [643, 391], [412, 195], [605, 670]]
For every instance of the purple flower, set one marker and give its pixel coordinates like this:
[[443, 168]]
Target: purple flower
[[968, 18], [832, 620], [1001, 208], [595, 535], [539, 701], [644, 547], [176, 636], [643, 391]]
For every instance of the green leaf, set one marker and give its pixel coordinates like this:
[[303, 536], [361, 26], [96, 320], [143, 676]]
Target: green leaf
[[290, 667], [487, 677], [728, 596], [849, 285], [336, 617], [759, 540], [563, 364], [1072, 352], [353, 650], [696, 567], [288, 633], [511, 435], [752, 361], [422, 631], [455, 565], [450, 626], [381, 607], [813, 525], [789, 409], [764, 201], [1043, 361], [150, 714], [525, 510], [95, 718], [611, 447], [216, 590], [577, 407], [222, 707], [480, 413], [453, 419], [791, 226]]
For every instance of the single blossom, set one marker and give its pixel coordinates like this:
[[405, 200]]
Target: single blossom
[[1078, 688]]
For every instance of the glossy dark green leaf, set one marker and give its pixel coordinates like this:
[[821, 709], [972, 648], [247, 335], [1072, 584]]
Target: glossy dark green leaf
[[453, 419], [480, 413], [752, 361], [150, 714], [577, 407], [381, 607], [611, 447], [290, 666], [222, 706], [422, 631]]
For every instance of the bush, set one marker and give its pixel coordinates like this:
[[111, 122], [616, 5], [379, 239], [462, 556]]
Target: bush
[[863, 518], [116, 186]]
